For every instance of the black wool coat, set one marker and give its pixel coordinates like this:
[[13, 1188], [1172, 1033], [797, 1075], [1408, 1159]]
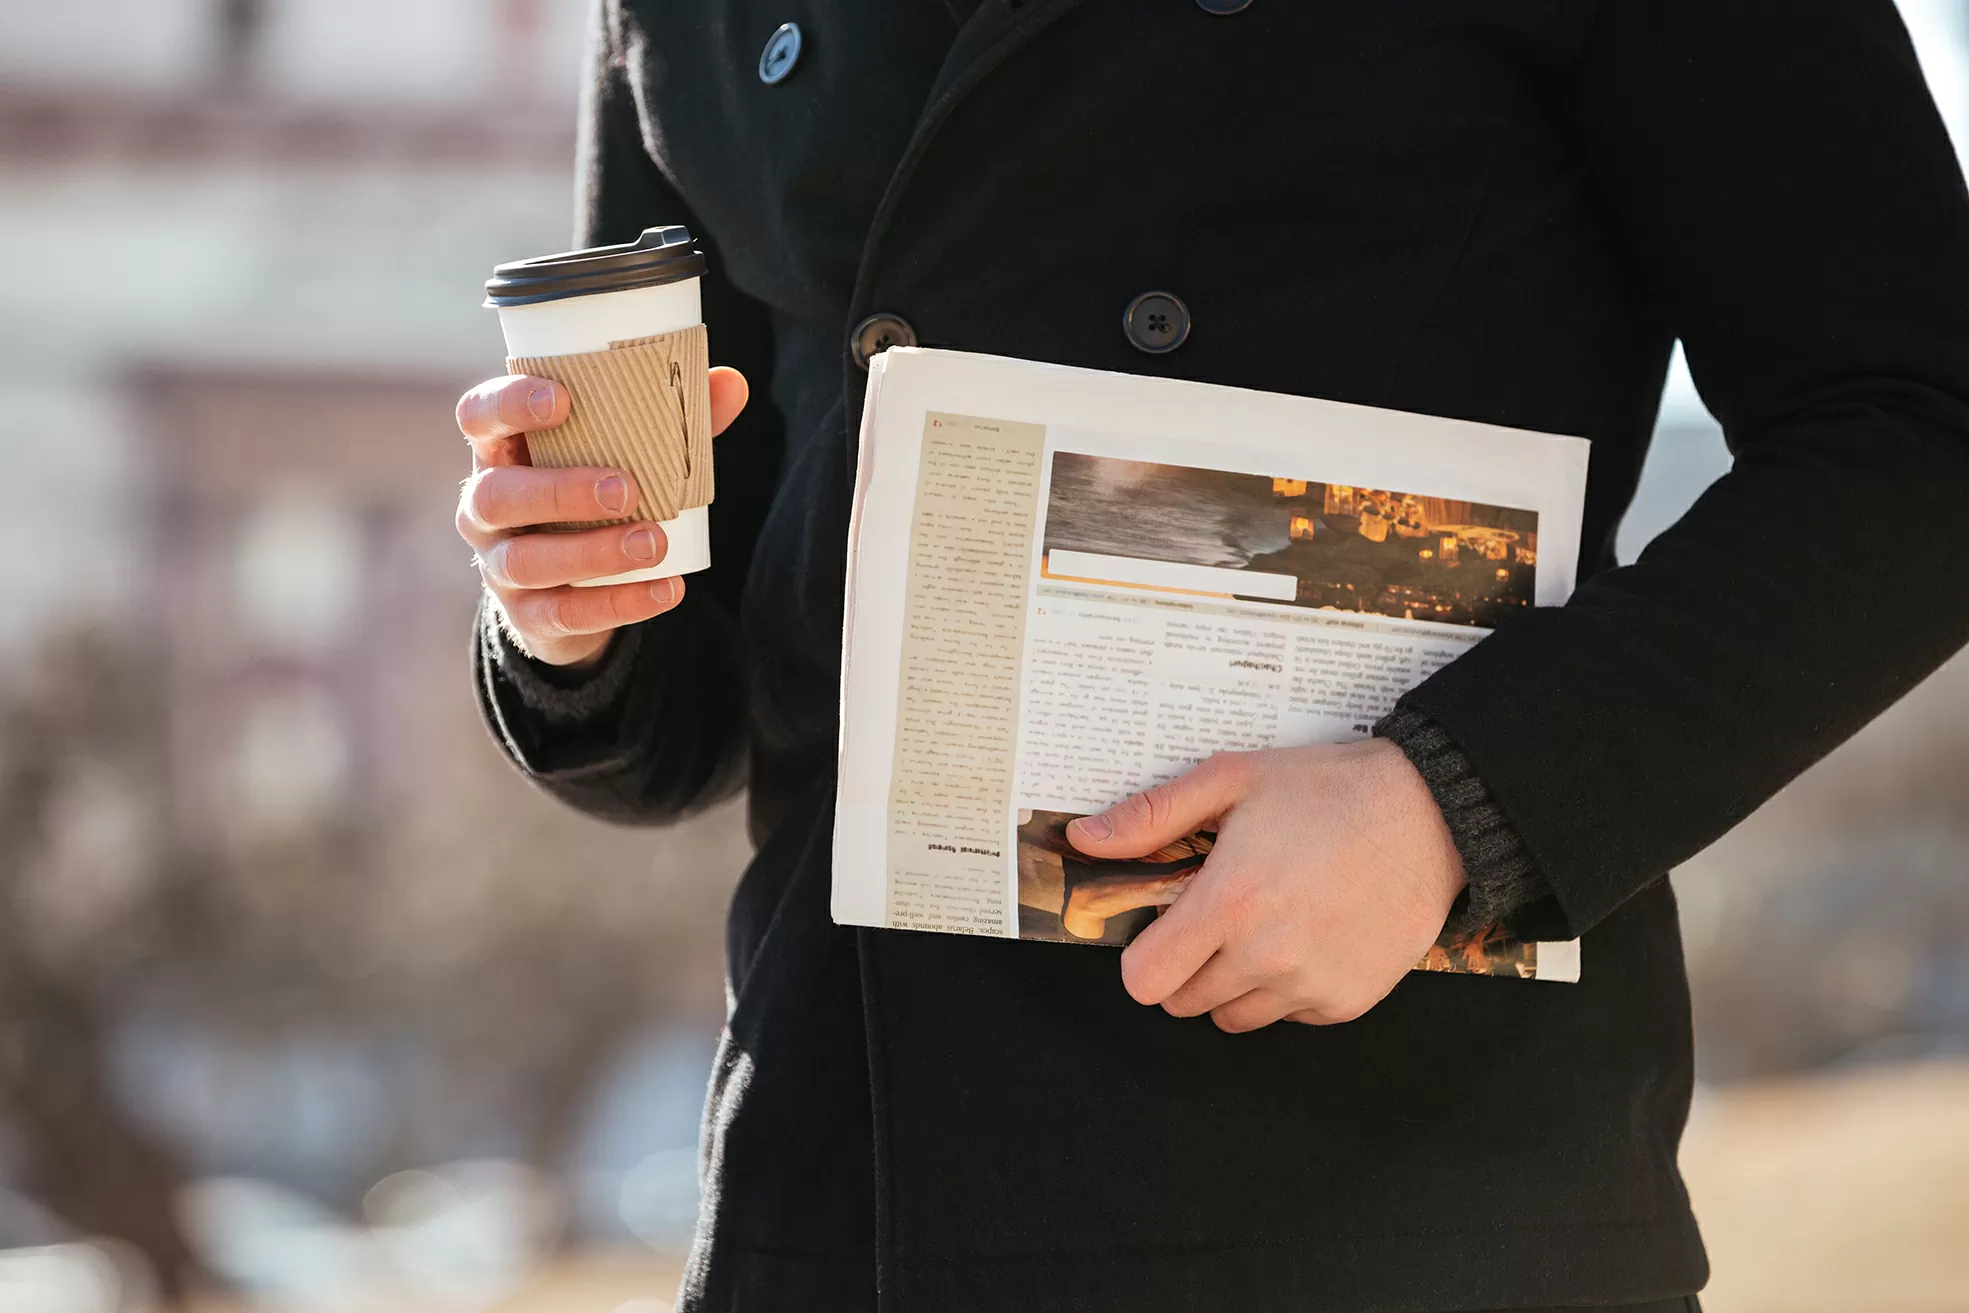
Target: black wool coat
[[1501, 211]]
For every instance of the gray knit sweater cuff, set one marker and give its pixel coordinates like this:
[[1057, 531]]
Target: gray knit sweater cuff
[[1503, 879], [557, 694]]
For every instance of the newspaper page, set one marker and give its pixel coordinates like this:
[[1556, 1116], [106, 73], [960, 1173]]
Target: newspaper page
[[1067, 585]]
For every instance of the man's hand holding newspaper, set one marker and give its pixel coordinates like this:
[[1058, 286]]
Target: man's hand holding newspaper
[[1068, 587], [1333, 872]]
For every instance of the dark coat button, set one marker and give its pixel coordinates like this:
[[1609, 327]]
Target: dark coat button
[[1156, 322], [782, 52], [1221, 6], [876, 334]]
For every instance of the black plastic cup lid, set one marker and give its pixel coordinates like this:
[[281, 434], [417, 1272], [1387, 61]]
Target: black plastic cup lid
[[660, 255]]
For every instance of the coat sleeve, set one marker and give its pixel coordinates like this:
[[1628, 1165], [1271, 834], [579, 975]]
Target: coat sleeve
[[658, 730], [1782, 182]]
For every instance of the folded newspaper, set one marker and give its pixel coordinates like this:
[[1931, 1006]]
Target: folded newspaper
[[1066, 585]]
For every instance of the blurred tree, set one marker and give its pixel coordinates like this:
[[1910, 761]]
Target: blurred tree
[[490, 959], [83, 720]]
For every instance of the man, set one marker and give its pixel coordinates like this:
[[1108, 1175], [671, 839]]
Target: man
[[1502, 212]]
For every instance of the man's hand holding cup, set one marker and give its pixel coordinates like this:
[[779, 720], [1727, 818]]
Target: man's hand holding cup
[[534, 575], [592, 523]]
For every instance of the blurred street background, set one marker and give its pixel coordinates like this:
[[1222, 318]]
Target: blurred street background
[[308, 1003]]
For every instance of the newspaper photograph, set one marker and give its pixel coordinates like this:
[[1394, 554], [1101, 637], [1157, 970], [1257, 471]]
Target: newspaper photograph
[[1066, 586]]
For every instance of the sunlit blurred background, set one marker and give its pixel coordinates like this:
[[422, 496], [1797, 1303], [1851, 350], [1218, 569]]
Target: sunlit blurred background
[[307, 1003]]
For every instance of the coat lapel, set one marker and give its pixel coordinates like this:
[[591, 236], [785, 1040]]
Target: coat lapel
[[993, 34]]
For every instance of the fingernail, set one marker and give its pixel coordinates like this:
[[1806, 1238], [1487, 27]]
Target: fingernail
[[613, 493], [1095, 827], [640, 545], [541, 402], [664, 591]]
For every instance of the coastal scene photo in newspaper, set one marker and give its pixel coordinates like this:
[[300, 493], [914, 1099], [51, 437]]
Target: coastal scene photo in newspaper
[[1321, 545]]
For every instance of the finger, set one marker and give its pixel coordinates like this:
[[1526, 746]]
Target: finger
[[1215, 983], [521, 496], [729, 392], [1252, 1011], [1175, 946], [556, 613], [489, 453], [1138, 825], [549, 560], [1310, 1017], [513, 404]]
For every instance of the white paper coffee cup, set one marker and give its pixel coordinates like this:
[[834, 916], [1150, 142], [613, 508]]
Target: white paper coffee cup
[[591, 300]]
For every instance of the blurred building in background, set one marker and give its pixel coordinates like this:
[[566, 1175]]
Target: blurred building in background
[[303, 994]]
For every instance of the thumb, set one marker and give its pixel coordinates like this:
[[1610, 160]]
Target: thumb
[[729, 393], [1174, 810]]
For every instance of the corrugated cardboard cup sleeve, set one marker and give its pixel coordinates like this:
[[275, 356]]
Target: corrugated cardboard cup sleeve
[[643, 406]]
